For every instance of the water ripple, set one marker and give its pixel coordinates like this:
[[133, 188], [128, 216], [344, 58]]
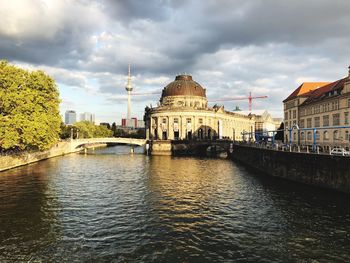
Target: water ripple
[[110, 206]]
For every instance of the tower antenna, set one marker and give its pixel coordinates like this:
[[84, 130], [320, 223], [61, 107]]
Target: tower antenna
[[129, 88]]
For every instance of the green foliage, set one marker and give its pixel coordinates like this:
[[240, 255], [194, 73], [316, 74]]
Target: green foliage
[[29, 109], [89, 130], [65, 132]]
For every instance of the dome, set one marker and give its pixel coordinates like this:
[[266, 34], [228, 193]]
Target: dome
[[183, 85]]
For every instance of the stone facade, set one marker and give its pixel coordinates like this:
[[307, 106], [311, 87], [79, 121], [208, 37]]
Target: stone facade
[[324, 110], [319, 170], [183, 113]]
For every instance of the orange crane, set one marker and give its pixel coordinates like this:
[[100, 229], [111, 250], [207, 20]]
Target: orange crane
[[250, 99]]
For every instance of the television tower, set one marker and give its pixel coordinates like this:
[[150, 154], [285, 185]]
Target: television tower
[[129, 89]]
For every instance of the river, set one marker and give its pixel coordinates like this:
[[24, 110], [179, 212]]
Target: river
[[110, 206]]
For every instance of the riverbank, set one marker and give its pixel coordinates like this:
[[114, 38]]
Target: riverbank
[[325, 171], [12, 161]]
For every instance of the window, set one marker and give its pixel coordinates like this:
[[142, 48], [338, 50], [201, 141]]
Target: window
[[317, 109], [336, 119], [325, 120], [308, 123], [200, 121], [308, 111], [317, 136], [325, 135], [317, 121], [302, 123], [302, 136], [346, 117], [336, 105], [336, 135], [347, 135], [309, 136], [286, 115], [294, 114]]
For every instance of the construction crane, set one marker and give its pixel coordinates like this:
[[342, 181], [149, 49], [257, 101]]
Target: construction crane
[[250, 99]]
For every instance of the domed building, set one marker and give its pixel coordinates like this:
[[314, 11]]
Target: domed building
[[183, 113]]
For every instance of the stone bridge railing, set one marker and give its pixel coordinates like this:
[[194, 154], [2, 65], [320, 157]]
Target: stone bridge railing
[[129, 141]]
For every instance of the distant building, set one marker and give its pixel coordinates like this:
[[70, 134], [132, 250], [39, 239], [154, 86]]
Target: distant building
[[105, 124], [87, 116], [133, 123], [264, 123], [70, 117], [140, 124], [183, 113], [321, 108], [278, 122]]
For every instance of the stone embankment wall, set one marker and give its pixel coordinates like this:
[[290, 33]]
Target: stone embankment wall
[[160, 147], [12, 161], [327, 171]]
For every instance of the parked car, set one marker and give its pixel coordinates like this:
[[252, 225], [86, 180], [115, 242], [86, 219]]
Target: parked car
[[340, 151]]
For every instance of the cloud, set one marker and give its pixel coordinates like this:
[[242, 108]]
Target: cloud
[[231, 47]]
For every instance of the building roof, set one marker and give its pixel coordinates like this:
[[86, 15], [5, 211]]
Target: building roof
[[183, 85], [321, 92], [305, 88], [253, 112]]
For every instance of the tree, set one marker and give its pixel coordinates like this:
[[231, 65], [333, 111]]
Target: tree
[[65, 131], [114, 129], [89, 130], [280, 134], [29, 109]]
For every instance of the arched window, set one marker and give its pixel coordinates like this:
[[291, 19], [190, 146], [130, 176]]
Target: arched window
[[336, 135], [302, 136], [309, 136], [325, 135]]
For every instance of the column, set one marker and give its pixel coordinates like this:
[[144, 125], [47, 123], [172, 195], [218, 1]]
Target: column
[[159, 129]]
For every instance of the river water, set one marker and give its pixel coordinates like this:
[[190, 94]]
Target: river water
[[110, 206]]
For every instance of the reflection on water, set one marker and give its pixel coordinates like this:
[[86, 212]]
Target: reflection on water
[[109, 205]]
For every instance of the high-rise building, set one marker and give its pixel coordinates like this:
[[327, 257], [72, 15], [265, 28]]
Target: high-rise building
[[70, 117], [87, 116]]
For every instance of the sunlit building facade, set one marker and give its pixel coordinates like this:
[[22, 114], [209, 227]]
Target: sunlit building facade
[[320, 106], [183, 113]]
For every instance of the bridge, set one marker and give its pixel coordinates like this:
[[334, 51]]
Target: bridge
[[189, 147], [115, 140]]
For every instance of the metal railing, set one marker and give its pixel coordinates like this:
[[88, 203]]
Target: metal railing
[[269, 141]]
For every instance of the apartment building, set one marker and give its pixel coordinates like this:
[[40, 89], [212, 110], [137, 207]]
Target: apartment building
[[319, 112]]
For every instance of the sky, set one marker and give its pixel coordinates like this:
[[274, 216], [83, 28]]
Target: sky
[[230, 47]]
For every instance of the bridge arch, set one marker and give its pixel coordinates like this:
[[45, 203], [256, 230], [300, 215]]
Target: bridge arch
[[116, 140]]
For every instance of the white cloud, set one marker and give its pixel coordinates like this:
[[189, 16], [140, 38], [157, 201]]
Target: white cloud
[[230, 47]]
